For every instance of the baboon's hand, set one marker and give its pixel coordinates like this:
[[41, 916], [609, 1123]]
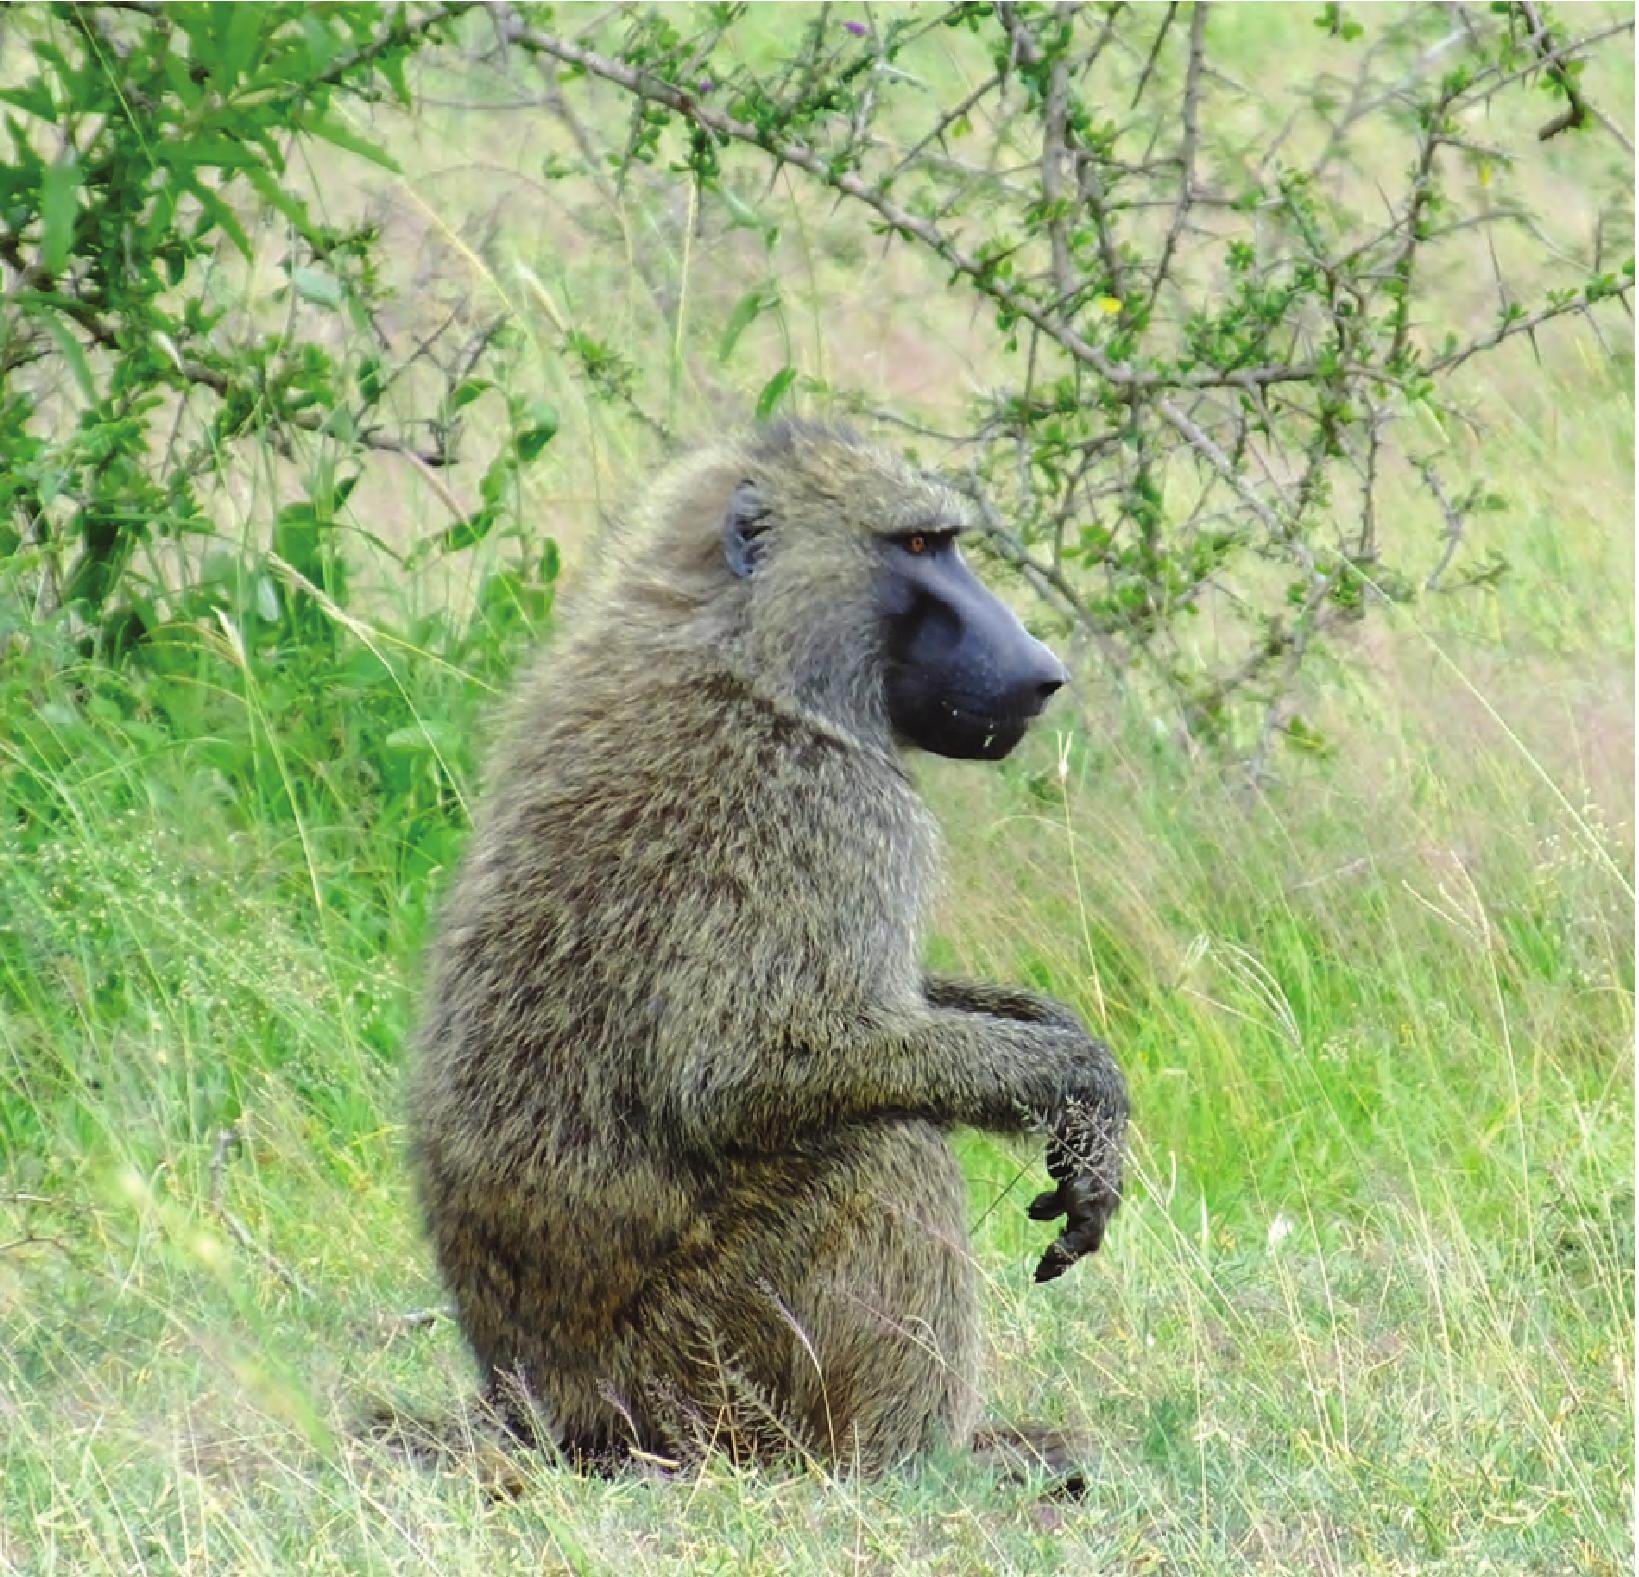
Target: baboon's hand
[[1084, 1160]]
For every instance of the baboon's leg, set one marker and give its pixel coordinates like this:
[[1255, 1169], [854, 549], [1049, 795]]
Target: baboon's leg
[[838, 1314], [892, 1307]]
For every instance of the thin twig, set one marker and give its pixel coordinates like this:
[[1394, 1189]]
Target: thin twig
[[227, 1141], [1191, 143], [1577, 107], [1506, 331], [1454, 520]]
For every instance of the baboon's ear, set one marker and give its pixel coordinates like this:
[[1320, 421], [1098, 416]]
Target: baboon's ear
[[744, 523]]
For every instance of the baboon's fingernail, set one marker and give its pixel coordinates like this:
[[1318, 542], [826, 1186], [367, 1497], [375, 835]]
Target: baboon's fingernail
[[1045, 1206], [1053, 1265]]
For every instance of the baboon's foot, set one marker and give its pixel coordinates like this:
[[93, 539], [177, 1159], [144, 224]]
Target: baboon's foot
[[1022, 1453], [468, 1441]]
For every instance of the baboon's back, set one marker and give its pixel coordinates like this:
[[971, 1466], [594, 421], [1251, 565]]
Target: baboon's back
[[655, 864]]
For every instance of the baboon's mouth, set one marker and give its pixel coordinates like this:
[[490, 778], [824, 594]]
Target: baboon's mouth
[[952, 724], [975, 717], [985, 735]]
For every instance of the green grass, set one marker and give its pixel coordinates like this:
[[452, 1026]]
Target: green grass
[[1368, 1307]]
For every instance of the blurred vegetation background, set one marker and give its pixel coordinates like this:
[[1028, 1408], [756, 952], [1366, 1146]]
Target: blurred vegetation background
[[1289, 350]]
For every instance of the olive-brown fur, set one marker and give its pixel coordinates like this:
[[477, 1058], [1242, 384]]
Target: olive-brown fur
[[682, 1090]]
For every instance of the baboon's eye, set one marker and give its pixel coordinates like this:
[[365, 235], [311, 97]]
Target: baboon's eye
[[923, 543]]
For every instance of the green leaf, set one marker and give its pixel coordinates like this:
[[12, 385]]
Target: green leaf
[[424, 737], [297, 537], [240, 39], [267, 599], [221, 152], [1302, 736], [35, 97], [322, 44], [182, 84], [59, 189], [493, 485], [340, 424], [318, 125], [317, 285], [774, 391], [69, 347], [530, 440], [746, 312], [275, 196], [466, 532], [391, 66], [744, 217], [222, 216]]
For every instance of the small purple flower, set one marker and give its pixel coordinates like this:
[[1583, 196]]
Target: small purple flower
[[858, 29], [707, 85]]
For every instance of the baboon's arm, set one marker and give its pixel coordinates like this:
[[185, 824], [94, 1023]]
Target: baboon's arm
[[1084, 1154], [944, 1063], [984, 996], [1002, 1060]]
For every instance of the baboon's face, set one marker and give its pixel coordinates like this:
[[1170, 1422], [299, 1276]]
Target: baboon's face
[[964, 677], [960, 675]]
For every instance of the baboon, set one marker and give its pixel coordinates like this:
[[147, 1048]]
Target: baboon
[[683, 1091]]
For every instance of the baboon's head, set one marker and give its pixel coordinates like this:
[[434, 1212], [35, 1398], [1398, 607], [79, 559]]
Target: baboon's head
[[835, 571]]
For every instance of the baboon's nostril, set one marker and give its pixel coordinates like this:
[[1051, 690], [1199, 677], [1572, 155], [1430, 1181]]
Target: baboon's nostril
[[1049, 677]]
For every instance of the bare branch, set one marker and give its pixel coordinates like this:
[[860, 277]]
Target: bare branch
[[1191, 143], [1577, 108], [1509, 329], [1454, 525]]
